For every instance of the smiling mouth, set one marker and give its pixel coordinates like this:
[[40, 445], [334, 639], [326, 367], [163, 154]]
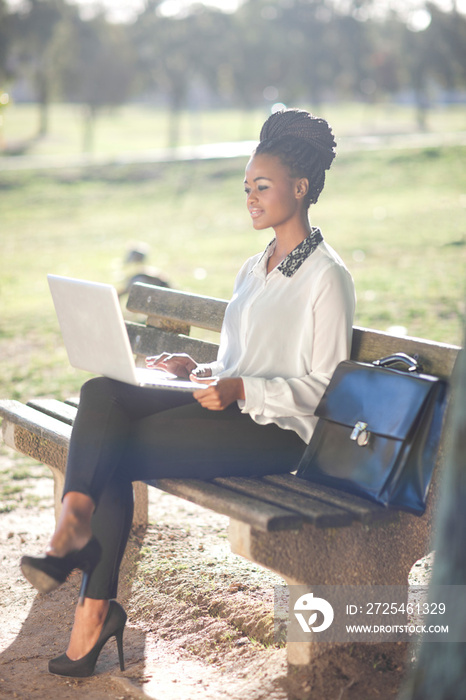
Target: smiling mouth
[[255, 213]]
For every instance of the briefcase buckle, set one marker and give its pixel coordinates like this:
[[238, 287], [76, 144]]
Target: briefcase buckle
[[360, 434]]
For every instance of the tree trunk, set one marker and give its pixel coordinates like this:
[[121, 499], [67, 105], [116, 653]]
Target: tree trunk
[[90, 113], [422, 107], [173, 127], [43, 90], [174, 116], [440, 670]]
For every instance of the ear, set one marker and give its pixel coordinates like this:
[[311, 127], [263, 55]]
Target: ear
[[302, 187]]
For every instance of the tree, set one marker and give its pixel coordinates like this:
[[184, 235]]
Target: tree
[[446, 39], [440, 668], [386, 68], [5, 40], [4, 69], [33, 30], [96, 67], [304, 48], [257, 59], [311, 28], [175, 51]]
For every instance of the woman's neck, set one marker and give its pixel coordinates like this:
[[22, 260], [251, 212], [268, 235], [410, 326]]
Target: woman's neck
[[289, 238], [286, 241]]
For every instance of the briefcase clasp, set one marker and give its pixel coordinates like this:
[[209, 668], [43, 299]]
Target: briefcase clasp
[[360, 433]]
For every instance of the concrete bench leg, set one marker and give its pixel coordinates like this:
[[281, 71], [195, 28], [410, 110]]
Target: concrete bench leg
[[380, 554], [58, 484], [141, 504], [363, 671]]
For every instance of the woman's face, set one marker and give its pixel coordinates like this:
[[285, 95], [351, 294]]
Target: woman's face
[[274, 197]]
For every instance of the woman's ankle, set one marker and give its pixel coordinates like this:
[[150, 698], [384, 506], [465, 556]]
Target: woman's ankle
[[92, 611], [73, 529], [88, 622], [80, 505]]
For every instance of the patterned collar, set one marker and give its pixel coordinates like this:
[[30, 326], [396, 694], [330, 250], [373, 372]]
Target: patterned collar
[[295, 259]]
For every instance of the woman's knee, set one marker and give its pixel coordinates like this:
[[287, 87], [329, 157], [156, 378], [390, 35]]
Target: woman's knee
[[97, 389]]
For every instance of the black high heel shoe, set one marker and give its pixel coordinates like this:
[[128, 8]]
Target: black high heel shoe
[[114, 626], [48, 572]]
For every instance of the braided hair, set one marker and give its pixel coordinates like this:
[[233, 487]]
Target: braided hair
[[304, 143]]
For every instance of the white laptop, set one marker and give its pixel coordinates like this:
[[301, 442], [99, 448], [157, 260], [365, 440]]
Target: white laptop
[[95, 336]]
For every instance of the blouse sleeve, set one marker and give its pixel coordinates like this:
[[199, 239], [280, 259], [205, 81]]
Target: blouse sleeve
[[333, 310]]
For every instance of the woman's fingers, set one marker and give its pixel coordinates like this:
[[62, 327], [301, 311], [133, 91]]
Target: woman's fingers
[[200, 373], [179, 364], [155, 360]]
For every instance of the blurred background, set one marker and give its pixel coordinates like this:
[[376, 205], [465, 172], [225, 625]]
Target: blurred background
[[125, 127]]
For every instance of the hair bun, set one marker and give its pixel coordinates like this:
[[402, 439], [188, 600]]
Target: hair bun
[[303, 125]]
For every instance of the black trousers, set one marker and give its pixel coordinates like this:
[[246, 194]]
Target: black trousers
[[124, 433]]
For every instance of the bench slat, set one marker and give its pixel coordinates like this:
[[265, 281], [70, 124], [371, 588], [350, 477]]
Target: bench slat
[[437, 359], [35, 434], [362, 510], [315, 511], [193, 309], [260, 515], [36, 422], [56, 409], [147, 340]]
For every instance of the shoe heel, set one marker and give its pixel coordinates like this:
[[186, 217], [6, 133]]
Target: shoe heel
[[81, 668], [48, 572], [119, 639]]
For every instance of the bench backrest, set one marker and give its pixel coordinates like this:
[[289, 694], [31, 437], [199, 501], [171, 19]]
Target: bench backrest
[[172, 314]]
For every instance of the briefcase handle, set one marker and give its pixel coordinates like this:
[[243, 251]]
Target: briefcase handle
[[411, 362]]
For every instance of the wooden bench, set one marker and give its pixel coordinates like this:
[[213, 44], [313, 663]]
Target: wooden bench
[[308, 534]]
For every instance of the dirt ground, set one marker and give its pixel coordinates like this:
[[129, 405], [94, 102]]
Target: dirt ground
[[200, 619]]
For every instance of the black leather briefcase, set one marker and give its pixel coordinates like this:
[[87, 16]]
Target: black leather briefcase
[[378, 432]]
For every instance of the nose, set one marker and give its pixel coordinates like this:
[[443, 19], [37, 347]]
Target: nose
[[252, 197]]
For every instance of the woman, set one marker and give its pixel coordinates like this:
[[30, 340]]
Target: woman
[[286, 328]]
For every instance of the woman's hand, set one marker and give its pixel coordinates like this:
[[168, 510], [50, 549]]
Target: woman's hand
[[181, 364], [220, 393]]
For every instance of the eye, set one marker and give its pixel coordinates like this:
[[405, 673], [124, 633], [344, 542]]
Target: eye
[[262, 187], [247, 190]]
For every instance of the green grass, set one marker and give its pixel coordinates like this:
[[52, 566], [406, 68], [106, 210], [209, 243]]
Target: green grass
[[135, 127], [129, 128], [396, 218]]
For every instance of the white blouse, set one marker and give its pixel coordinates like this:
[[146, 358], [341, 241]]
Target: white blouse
[[285, 332]]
